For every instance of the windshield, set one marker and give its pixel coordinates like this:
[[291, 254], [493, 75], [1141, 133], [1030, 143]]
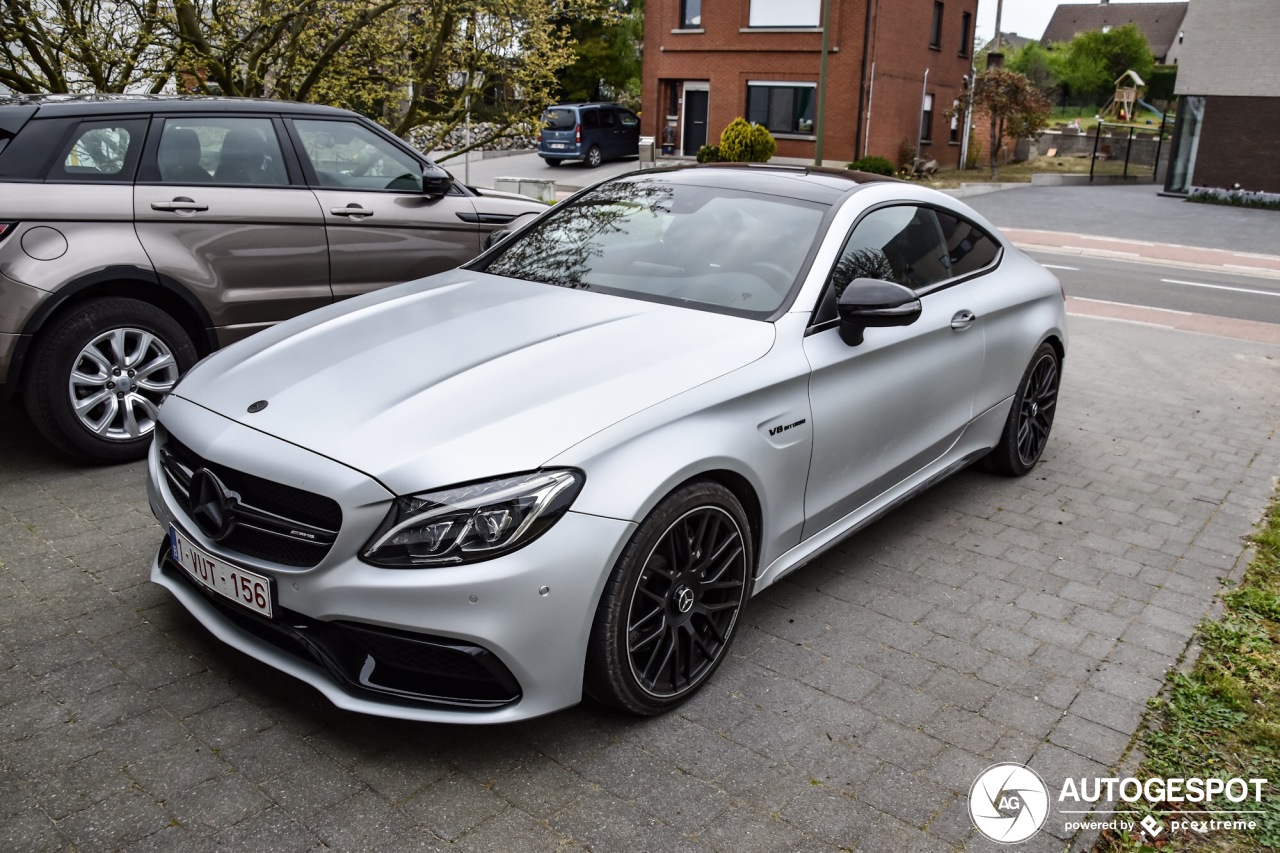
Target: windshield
[[705, 247]]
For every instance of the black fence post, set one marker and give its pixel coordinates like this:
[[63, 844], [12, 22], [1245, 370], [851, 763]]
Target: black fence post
[[1097, 135], [1155, 169], [1127, 148]]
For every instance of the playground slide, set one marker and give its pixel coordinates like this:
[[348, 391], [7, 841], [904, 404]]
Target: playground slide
[[1147, 106]]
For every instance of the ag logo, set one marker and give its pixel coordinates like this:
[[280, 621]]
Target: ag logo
[[1008, 803]]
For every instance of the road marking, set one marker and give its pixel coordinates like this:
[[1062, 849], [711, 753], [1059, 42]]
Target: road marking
[[1056, 267], [1221, 287]]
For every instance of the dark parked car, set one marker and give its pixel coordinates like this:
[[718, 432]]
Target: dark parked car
[[138, 234], [591, 133]]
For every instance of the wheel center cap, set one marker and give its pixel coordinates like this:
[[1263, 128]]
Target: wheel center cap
[[684, 599], [1035, 409]]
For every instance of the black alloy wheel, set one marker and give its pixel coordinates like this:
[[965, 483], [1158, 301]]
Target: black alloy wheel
[[671, 605], [1026, 432], [1036, 409]]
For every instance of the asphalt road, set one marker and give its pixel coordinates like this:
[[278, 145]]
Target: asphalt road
[[1216, 293]]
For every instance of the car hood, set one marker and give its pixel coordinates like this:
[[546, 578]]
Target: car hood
[[464, 375]]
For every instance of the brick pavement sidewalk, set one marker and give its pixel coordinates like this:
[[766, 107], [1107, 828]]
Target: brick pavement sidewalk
[[988, 620]]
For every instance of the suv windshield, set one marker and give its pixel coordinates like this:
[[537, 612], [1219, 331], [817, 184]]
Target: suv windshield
[[559, 119], [721, 250]]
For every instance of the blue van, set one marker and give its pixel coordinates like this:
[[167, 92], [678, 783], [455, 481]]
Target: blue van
[[591, 133]]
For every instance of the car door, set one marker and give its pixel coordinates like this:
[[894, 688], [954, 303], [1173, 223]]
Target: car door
[[610, 132], [382, 229], [220, 210], [629, 133], [884, 409]]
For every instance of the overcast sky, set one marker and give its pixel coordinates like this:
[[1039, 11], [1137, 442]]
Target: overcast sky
[[1024, 17]]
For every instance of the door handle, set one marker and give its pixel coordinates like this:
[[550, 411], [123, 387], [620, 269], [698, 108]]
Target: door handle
[[962, 320], [181, 204], [350, 210]]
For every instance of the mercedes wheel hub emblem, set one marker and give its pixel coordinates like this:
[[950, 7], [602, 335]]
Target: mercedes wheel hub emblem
[[684, 599]]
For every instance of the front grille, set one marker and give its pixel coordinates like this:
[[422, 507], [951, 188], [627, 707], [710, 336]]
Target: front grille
[[365, 660], [270, 521]]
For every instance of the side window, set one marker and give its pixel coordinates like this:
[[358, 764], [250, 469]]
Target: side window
[[591, 119], [347, 154], [608, 118], [969, 248], [100, 151], [902, 244], [228, 151], [628, 118]]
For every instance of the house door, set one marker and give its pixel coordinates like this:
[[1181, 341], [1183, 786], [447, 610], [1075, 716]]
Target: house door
[[695, 120]]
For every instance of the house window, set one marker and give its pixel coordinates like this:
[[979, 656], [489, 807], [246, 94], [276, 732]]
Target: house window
[[966, 29], [781, 107], [690, 14], [935, 34], [926, 120], [785, 13]]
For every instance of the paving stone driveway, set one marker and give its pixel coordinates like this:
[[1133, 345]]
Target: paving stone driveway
[[988, 620]]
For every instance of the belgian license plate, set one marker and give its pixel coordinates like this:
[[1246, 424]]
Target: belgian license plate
[[246, 588], [559, 145]]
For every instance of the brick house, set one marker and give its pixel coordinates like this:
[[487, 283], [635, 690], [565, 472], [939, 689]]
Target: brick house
[[1228, 99], [893, 70]]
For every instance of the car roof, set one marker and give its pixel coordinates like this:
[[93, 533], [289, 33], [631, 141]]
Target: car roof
[[115, 104], [820, 184]]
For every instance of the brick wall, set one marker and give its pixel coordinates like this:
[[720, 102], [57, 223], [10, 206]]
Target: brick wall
[[1238, 144], [725, 54]]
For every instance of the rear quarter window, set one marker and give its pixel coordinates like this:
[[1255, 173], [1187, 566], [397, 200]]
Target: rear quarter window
[[969, 248], [100, 151]]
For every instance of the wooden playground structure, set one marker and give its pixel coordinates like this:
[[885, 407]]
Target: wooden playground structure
[[1127, 100]]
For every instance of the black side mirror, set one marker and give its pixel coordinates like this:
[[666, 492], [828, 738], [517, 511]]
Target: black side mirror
[[870, 302], [518, 222], [435, 181]]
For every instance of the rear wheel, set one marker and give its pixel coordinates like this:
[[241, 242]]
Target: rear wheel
[[594, 157], [1026, 432], [98, 374], [552, 162], [670, 607]]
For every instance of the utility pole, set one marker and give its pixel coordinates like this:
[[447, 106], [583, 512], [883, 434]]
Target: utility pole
[[999, 8], [819, 125]]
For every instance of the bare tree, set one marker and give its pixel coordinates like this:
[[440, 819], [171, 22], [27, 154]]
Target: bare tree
[[407, 63]]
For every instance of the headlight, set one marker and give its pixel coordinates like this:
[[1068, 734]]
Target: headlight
[[466, 524]]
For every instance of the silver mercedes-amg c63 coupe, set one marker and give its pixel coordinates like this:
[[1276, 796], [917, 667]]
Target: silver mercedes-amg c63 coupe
[[566, 466]]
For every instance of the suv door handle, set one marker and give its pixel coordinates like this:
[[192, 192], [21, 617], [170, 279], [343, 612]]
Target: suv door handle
[[179, 204], [350, 210], [962, 320]]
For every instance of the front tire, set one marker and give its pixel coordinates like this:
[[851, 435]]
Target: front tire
[[98, 374], [1026, 432], [594, 157], [667, 615]]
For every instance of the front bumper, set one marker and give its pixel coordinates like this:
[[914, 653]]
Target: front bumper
[[377, 640]]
